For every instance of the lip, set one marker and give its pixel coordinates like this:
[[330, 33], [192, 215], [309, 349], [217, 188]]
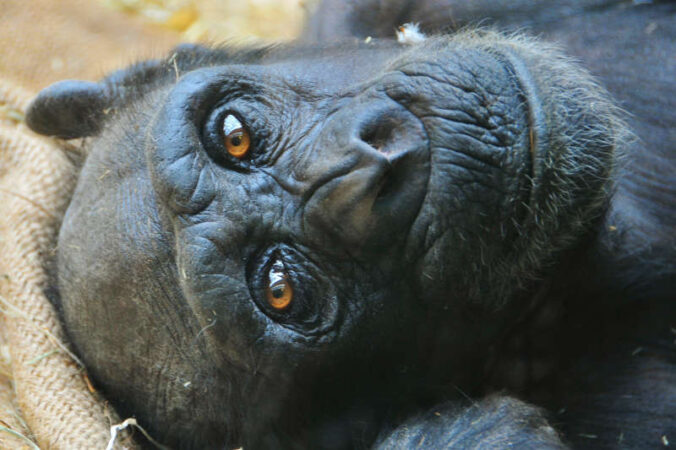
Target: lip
[[536, 119]]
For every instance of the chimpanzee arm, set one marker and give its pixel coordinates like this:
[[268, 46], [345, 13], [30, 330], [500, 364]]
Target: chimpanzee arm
[[494, 422]]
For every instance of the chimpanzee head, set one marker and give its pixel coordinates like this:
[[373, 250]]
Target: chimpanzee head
[[277, 245]]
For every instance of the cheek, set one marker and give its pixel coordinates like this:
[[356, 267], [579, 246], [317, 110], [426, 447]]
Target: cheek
[[213, 281]]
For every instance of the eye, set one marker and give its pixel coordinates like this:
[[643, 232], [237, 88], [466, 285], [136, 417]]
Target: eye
[[235, 137], [278, 292], [292, 291]]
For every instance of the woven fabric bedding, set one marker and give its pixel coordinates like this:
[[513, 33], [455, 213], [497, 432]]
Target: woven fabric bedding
[[53, 399], [45, 397]]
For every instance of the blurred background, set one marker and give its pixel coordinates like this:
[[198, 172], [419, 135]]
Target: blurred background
[[43, 41]]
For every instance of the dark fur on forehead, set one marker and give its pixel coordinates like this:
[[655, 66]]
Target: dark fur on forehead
[[80, 108]]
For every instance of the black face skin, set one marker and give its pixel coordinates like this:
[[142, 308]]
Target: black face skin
[[413, 197]]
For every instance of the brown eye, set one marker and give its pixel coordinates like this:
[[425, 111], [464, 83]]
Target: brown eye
[[279, 292], [235, 137], [280, 295]]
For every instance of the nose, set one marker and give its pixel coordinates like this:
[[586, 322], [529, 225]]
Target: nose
[[369, 168]]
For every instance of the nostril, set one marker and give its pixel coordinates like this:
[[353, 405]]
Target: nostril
[[400, 137], [395, 177], [368, 174], [392, 132], [379, 134], [388, 187]]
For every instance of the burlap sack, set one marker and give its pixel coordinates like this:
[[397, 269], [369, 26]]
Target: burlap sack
[[57, 407], [45, 396], [10, 416]]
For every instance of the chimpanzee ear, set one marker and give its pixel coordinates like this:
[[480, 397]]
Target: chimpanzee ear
[[69, 109]]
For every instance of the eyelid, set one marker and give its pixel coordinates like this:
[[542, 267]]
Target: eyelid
[[277, 272], [231, 123]]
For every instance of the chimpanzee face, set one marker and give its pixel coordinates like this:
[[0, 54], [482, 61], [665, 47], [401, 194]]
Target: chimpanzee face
[[257, 234]]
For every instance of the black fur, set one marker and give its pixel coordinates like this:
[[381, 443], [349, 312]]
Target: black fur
[[465, 221]]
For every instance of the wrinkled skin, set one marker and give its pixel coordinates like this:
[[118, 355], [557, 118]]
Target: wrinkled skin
[[450, 216]]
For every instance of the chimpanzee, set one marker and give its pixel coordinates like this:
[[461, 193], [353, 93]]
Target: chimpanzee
[[351, 242]]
